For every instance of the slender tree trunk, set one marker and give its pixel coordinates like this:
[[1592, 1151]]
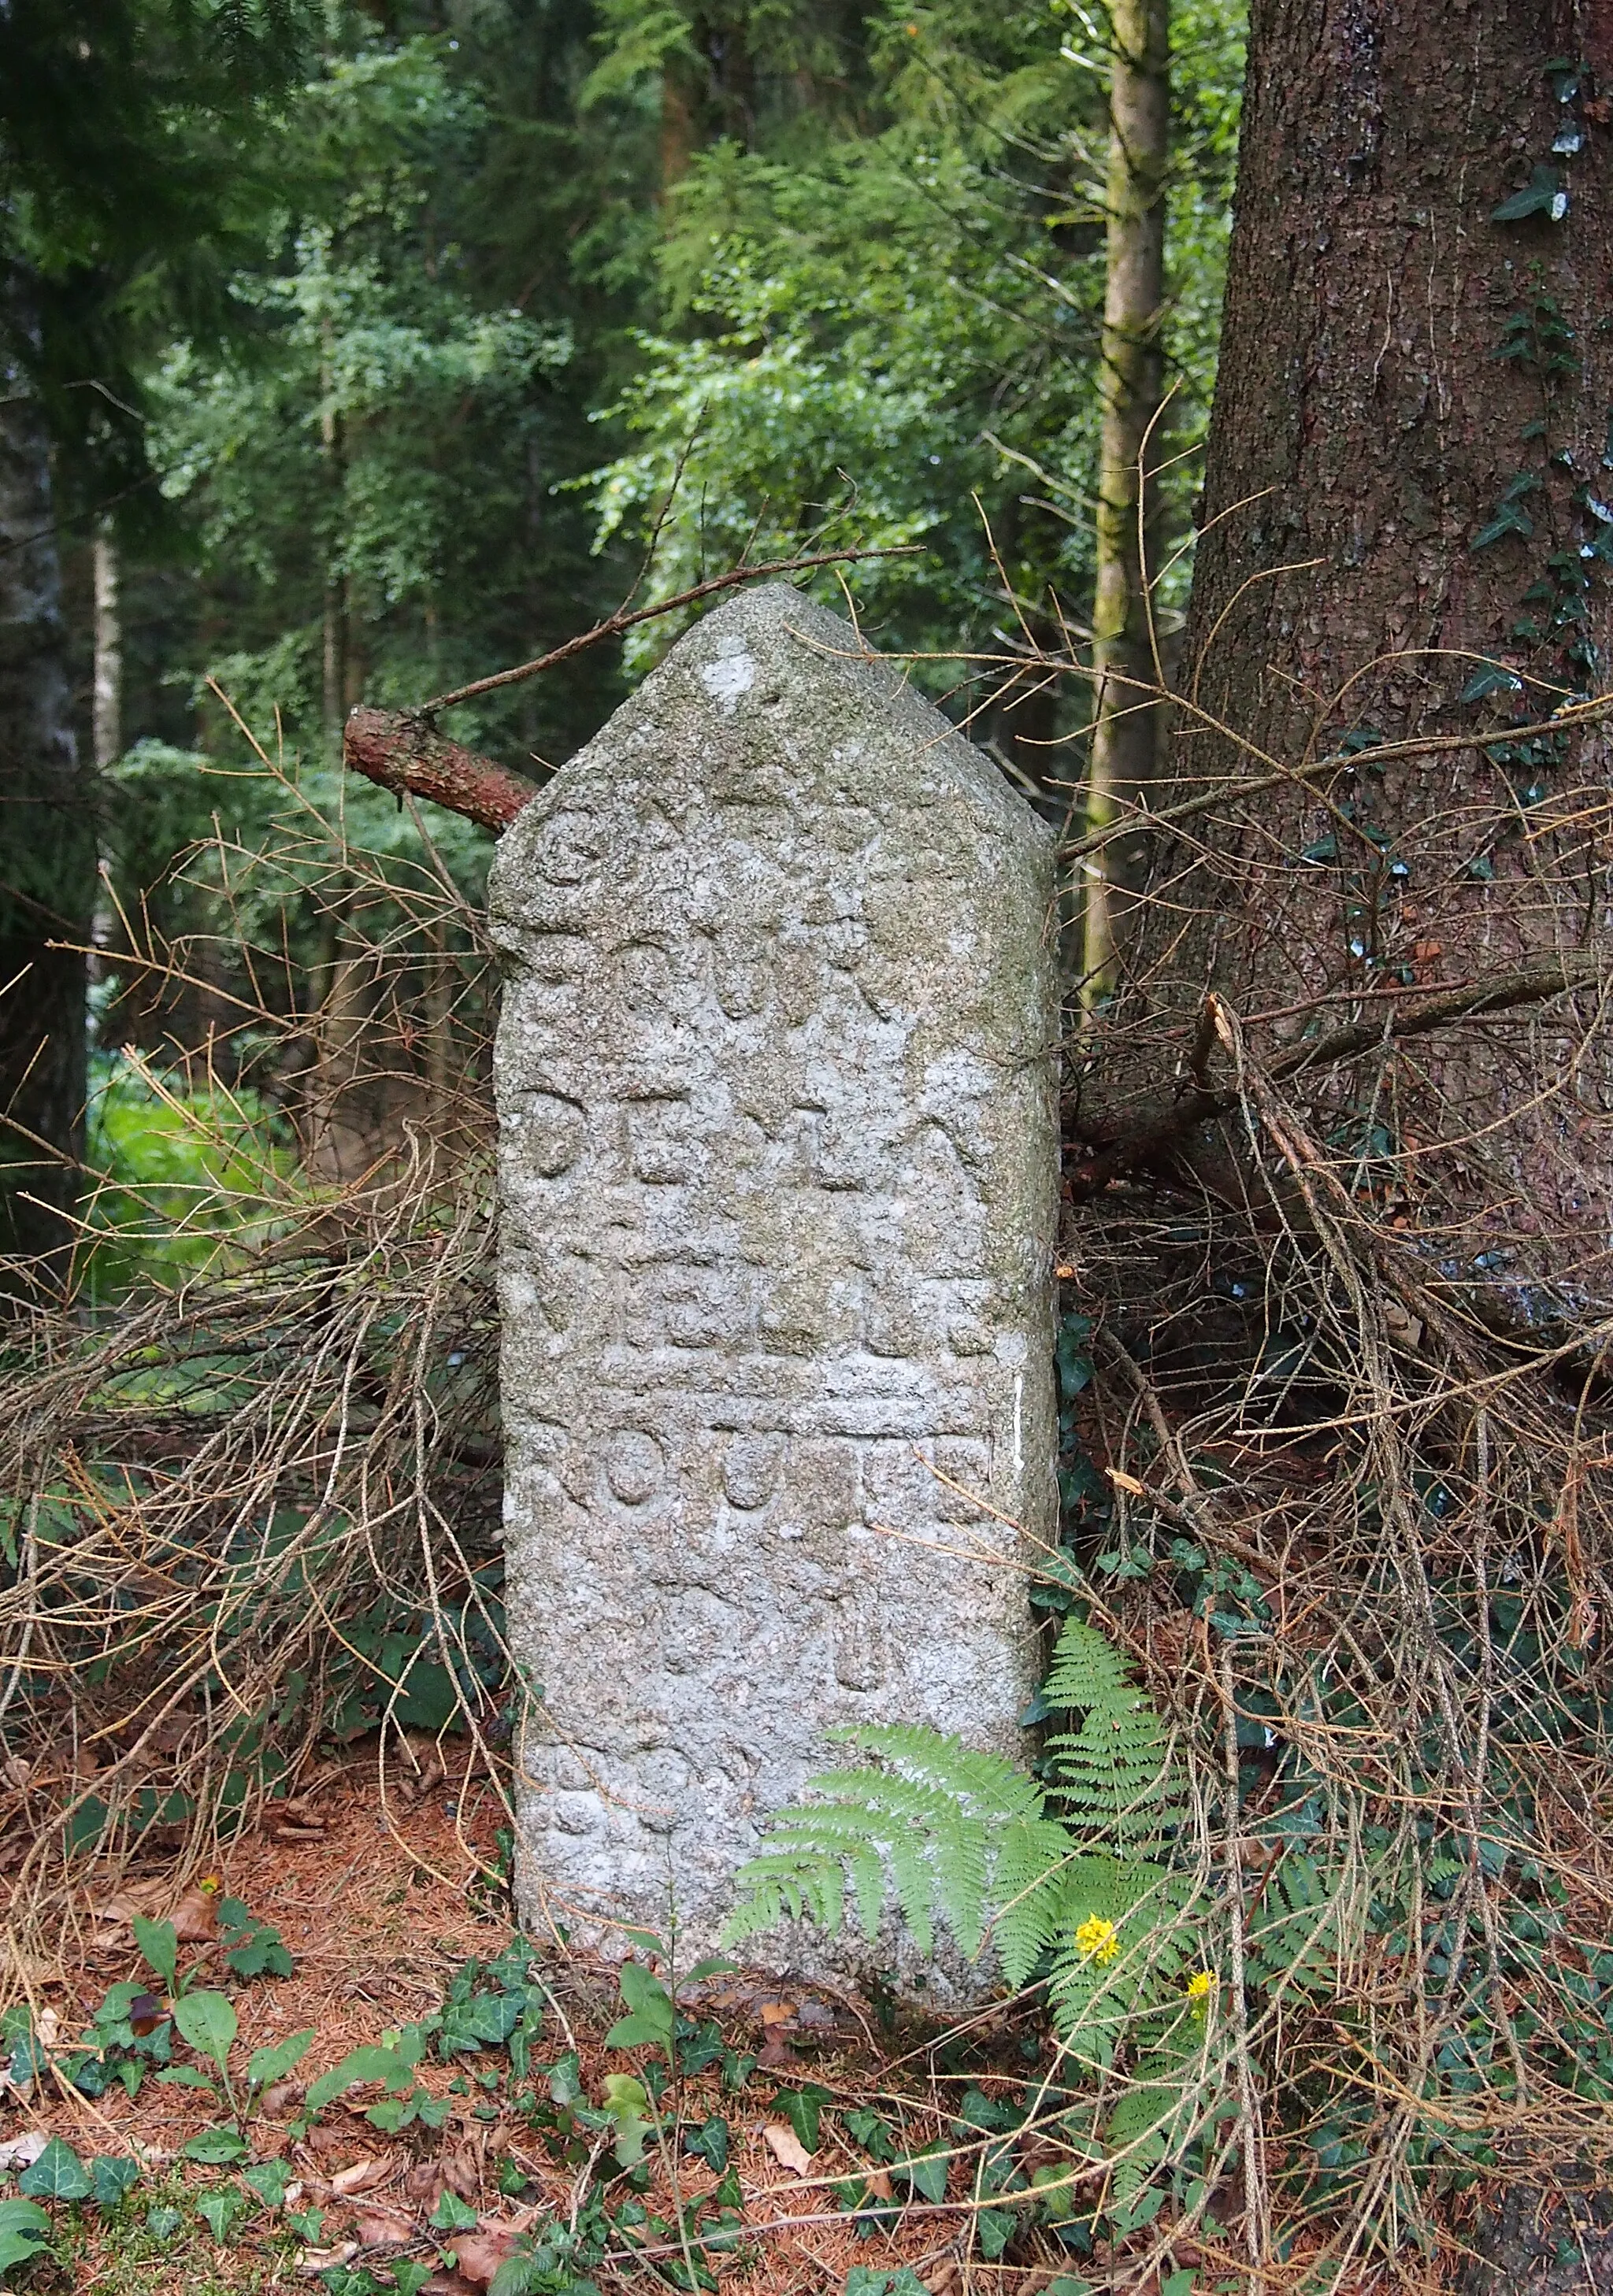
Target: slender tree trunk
[[47, 839], [334, 681], [1408, 537], [1126, 723], [107, 699]]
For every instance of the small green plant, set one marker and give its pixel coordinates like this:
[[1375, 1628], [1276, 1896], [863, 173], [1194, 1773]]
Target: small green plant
[[1069, 1867], [1067, 1873], [25, 2231]]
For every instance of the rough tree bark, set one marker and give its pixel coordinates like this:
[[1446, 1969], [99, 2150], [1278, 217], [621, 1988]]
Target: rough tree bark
[[47, 839], [1126, 727], [1407, 534]]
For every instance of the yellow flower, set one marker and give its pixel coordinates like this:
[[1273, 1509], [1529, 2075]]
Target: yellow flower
[[1200, 1986], [1096, 1938]]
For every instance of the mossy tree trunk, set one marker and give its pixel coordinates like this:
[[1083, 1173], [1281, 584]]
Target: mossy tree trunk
[[1126, 727], [1407, 535]]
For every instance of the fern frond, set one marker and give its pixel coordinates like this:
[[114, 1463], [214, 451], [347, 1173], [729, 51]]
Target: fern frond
[[997, 1787], [1087, 1671], [965, 1835], [1029, 1885]]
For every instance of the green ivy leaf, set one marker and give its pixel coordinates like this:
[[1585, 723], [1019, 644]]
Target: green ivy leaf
[[709, 2142], [451, 2214], [114, 2178], [1541, 195], [269, 2180], [220, 2211], [802, 2108], [926, 2171], [57, 2174]]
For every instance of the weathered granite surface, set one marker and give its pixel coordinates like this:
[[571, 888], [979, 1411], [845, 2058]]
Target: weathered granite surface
[[778, 1158]]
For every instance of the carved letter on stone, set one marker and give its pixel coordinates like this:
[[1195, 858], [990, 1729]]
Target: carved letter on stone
[[778, 1181]]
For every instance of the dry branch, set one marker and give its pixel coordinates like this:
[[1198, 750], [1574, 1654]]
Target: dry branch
[[1150, 1145], [402, 750], [405, 753]]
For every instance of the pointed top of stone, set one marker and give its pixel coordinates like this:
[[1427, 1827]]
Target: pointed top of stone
[[769, 680], [772, 648]]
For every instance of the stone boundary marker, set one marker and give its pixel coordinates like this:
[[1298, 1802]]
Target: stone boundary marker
[[777, 1166]]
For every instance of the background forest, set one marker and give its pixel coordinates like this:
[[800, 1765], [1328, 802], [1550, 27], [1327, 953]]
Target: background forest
[[489, 297]]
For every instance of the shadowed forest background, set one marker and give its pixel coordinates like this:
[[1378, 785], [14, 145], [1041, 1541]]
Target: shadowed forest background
[[441, 328]]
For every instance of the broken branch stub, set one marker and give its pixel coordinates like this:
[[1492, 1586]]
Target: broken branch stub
[[408, 756]]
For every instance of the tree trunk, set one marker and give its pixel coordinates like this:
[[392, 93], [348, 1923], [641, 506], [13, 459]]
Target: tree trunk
[[1407, 536], [47, 841], [107, 695], [335, 663], [1126, 722]]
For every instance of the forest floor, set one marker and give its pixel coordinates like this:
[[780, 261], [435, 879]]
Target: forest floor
[[380, 1914]]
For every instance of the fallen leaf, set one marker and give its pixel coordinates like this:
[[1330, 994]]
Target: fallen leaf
[[298, 1834], [478, 2254], [878, 2182], [23, 2152], [146, 2014], [17, 1771], [448, 2284], [195, 1917], [416, 1788], [462, 2171], [383, 2228], [1124, 1482], [48, 2028], [312, 2261], [278, 2096], [786, 2148], [293, 2195], [424, 2183], [778, 2013], [775, 2051], [946, 2278], [363, 2177]]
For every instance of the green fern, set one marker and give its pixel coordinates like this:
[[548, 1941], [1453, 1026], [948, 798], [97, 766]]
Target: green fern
[[968, 1838]]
